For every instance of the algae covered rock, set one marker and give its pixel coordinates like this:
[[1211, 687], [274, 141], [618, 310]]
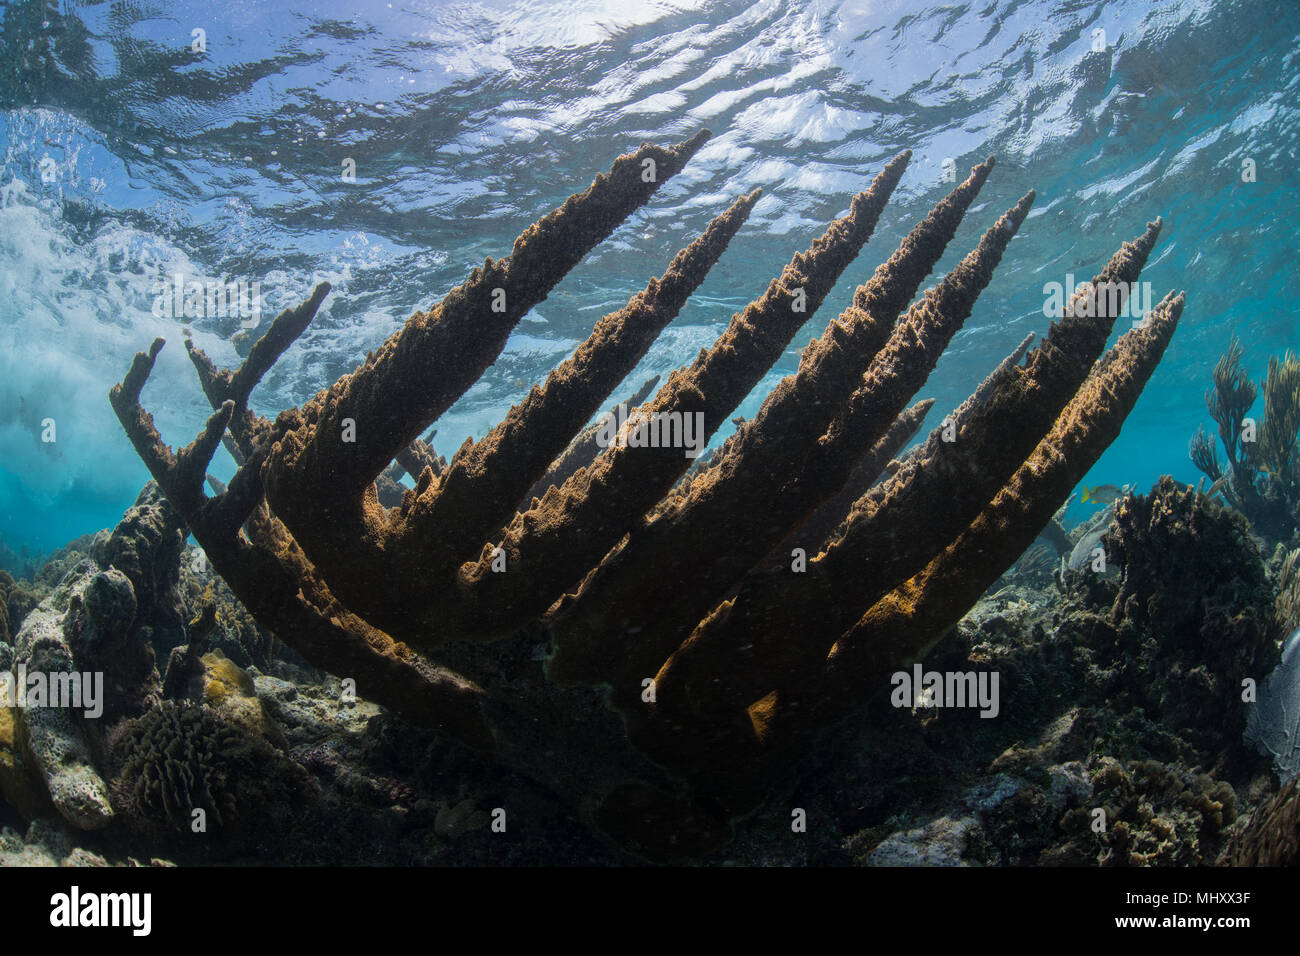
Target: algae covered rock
[[1189, 619], [1145, 813], [89, 608], [230, 691], [942, 842], [20, 782], [7, 584], [17, 598]]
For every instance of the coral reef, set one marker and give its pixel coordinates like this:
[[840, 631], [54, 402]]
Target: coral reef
[[1159, 815], [1155, 815], [44, 845], [1187, 620], [722, 664], [19, 597], [146, 546], [21, 785], [233, 630], [1131, 706]]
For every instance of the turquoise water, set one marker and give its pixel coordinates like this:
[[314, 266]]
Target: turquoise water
[[129, 155]]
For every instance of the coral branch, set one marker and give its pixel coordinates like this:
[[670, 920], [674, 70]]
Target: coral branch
[[812, 685], [272, 578], [485, 482], [965, 463], [337, 444], [419, 455], [624, 483], [584, 449], [976, 398], [221, 385], [1009, 524], [717, 518], [829, 520]]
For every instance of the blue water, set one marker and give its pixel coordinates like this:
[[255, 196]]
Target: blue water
[[128, 155]]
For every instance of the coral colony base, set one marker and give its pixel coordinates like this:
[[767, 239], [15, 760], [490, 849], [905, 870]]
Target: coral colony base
[[668, 651]]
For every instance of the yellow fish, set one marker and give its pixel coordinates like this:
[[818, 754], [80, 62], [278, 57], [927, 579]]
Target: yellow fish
[[1101, 494]]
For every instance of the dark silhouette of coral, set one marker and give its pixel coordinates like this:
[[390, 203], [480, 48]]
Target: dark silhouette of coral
[[663, 584], [183, 676], [1286, 607], [1228, 402], [146, 546], [17, 599]]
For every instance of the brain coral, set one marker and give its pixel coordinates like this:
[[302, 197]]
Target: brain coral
[[179, 758]]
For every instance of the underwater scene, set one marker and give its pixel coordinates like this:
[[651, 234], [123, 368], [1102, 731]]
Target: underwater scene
[[619, 432]]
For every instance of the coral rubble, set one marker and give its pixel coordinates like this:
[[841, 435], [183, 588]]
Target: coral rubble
[[723, 611]]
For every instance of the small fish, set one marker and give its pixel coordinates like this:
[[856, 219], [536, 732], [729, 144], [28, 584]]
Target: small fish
[[1101, 494]]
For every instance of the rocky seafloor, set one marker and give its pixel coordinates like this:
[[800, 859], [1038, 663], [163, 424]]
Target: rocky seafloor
[[1118, 738]]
